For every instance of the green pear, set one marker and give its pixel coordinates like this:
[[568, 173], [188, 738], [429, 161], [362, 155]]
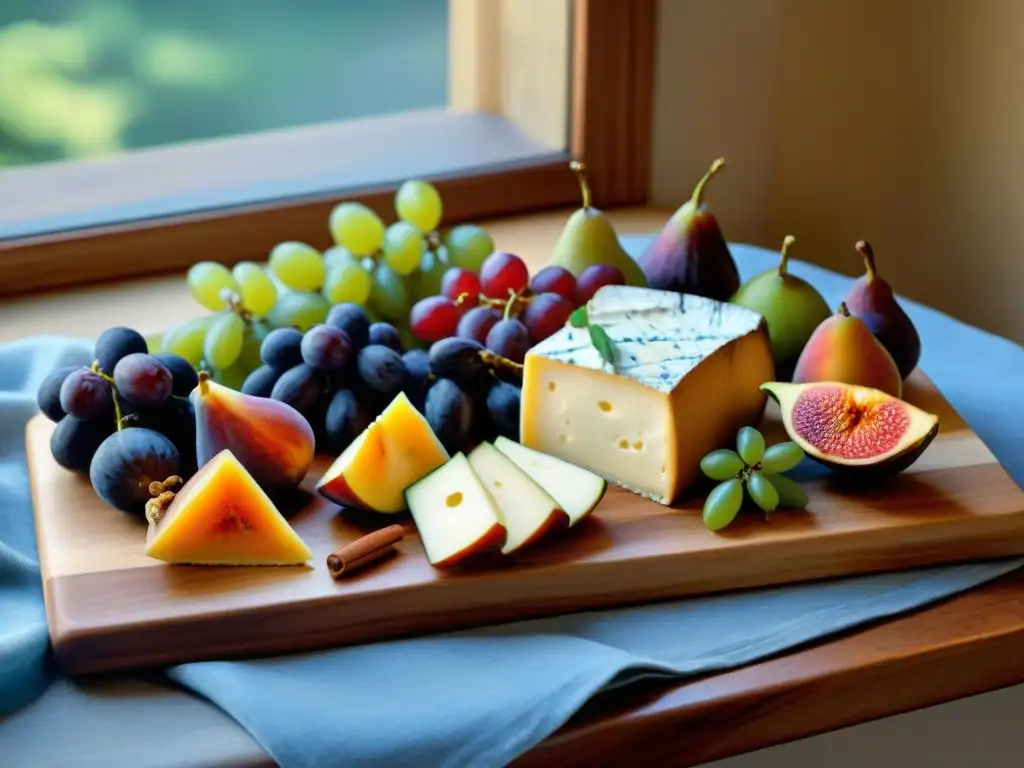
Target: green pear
[[792, 307], [589, 238]]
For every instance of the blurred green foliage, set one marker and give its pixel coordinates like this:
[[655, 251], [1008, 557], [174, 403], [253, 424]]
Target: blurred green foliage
[[86, 78]]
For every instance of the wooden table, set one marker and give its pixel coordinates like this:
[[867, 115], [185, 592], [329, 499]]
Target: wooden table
[[965, 645]]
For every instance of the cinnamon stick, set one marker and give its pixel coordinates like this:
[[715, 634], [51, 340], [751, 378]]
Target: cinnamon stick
[[364, 551]]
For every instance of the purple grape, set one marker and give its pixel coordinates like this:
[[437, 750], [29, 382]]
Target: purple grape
[[503, 408], [350, 318], [386, 335], [185, 376], [48, 396], [449, 412], [86, 395], [326, 348], [74, 442], [300, 387], [127, 462], [282, 348], [143, 381], [381, 368], [509, 338], [116, 343], [260, 383]]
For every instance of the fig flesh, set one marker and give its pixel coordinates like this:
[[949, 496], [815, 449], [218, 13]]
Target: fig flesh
[[853, 429]]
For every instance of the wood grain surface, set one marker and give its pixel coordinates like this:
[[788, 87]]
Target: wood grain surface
[[111, 608]]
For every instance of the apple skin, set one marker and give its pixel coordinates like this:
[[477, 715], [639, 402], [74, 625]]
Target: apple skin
[[491, 540]]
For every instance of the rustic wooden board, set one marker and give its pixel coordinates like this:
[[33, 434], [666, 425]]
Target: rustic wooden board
[[111, 608]]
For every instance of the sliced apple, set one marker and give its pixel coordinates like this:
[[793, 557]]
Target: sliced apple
[[576, 490], [526, 510], [393, 452], [455, 516], [222, 517]]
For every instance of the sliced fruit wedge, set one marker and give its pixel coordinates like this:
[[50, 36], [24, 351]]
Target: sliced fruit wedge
[[456, 518], [526, 510], [576, 490]]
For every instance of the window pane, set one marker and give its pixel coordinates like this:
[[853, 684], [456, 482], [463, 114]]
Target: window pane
[[87, 78]]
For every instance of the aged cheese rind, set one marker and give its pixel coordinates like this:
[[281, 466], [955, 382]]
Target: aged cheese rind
[[687, 378]]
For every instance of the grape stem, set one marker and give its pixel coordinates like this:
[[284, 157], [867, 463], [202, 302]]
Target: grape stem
[[163, 494], [513, 297], [517, 301], [433, 241], [497, 361], [234, 303], [113, 392]]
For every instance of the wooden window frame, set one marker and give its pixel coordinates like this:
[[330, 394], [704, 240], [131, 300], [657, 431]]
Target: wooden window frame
[[233, 199]]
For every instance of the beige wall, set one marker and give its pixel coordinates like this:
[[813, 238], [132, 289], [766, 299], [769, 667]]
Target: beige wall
[[897, 121]]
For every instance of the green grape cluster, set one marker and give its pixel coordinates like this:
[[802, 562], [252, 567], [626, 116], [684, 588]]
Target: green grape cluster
[[383, 268], [758, 469], [225, 342]]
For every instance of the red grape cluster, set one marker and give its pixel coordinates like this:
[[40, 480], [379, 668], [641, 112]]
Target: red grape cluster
[[502, 307]]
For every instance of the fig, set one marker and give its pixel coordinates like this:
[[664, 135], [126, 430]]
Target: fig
[[853, 429]]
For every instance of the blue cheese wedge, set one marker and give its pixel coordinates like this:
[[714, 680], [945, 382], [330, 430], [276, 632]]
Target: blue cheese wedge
[[686, 378]]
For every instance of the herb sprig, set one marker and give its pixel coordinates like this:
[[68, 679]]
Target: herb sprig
[[598, 335]]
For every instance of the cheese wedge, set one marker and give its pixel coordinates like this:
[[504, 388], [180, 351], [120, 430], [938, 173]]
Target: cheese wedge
[[222, 517], [686, 378]]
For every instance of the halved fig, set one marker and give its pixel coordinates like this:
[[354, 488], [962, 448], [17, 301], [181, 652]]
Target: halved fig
[[851, 428]]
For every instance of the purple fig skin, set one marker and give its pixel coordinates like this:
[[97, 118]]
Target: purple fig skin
[[690, 254], [872, 300], [272, 440]]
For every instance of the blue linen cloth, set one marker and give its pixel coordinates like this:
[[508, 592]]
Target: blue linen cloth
[[485, 696]]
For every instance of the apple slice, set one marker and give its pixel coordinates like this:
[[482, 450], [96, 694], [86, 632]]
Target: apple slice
[[455, 516], [526, 509], [578, 491], [391, 454]]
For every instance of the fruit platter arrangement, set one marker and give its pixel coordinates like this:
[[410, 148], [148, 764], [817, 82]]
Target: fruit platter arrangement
[[411, 432]]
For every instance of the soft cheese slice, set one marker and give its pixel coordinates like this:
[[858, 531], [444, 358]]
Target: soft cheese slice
[[526, 510], [576, 490], [222, 517], [455, 516], [687, 377]]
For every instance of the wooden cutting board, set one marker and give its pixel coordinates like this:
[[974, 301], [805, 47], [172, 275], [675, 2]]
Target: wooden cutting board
[[111, 608]]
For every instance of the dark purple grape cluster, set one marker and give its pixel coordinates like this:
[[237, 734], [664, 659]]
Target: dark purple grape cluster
[[125, 420], [341, 374]]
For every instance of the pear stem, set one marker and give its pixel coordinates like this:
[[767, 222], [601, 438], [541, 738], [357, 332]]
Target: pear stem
[[843, 310], [784, 260], [698, 191], [580, 170], [204, 387], [864, 249]]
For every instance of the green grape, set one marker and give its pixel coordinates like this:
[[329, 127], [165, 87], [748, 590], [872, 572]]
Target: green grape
[[223, 342], [750, 445], [403, 247], [336, 256], [155, 343], [297, 265], [723, 504], [348, 282], [232, 377], [301, 309], [409, 340], [207, 280], [257, 290], [255, 332], [721, 465], [781, 457], [419, 203], [762, 492], [186, 338], [468, 246], [426, 281], [791, 495], [388, 294], [357, 229]]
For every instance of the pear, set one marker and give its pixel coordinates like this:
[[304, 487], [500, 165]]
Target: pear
[[271, 439], [589, 238], [871, 299], [843, 349], [690, 254], [792, 307]]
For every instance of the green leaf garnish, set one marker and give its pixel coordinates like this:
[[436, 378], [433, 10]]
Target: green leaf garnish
[[603, 342], [579, 319]]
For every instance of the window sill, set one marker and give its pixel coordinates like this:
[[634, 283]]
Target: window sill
[[163, 209], [154, 303]]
